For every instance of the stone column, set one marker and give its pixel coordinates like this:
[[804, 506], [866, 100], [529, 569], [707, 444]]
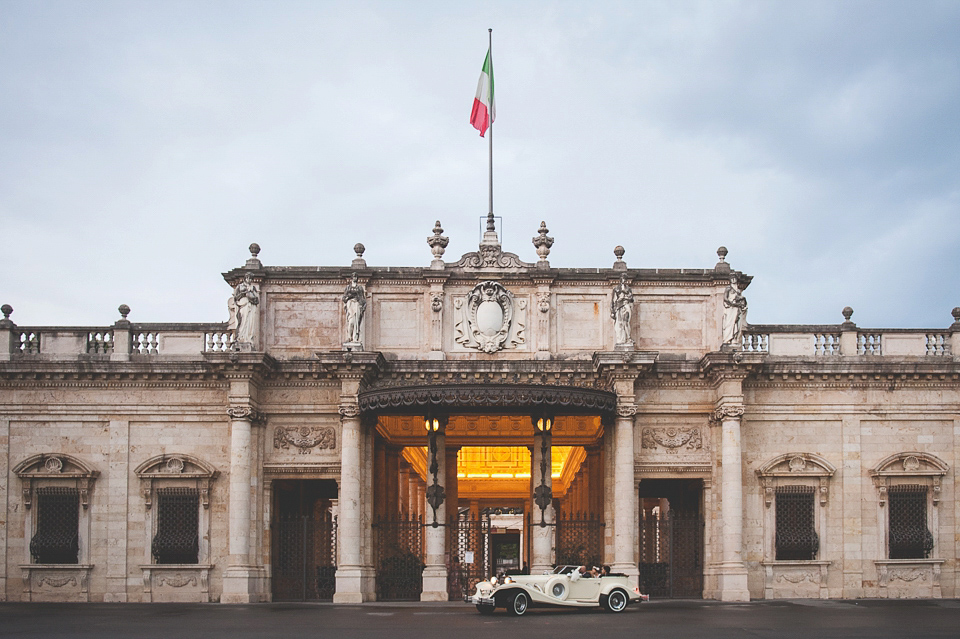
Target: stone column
[[241, 578], [543, 512], [608, 492], [625, 520], [403, 487], [354, 580], [117, 515], [732, 573], [435, 572]]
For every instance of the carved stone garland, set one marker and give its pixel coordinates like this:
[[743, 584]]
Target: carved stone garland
[[304, 438]]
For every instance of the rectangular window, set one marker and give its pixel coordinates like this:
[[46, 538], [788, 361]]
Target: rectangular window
[[178, 518], [57, 539], [909, 536], [796, 533]]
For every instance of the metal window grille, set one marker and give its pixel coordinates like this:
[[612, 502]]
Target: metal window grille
[[796, 533], [57, 540], [178, 523], [909, 537]]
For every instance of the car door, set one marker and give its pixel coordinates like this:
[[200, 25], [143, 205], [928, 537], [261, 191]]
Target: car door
[[585, 589]]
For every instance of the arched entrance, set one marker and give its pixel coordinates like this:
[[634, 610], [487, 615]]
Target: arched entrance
[[507, 477]]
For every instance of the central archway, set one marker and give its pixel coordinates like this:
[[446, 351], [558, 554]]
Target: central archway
[[492, 452]]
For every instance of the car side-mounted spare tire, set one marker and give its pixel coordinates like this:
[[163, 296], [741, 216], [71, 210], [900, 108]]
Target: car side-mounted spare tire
[[558, 588]]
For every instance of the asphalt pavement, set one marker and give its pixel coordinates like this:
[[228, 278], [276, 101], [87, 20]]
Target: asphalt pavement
[[687, 619]]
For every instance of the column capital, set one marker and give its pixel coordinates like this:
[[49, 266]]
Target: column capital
[[349, 410], [727, 411], [626, 409], [248, 413]]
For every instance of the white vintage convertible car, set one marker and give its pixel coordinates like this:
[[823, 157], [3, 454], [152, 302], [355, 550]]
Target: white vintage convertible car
[[518, 593]]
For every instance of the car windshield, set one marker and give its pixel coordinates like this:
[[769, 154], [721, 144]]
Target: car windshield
[[564, 570]]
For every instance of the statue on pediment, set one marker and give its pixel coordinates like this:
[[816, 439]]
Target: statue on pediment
[[244, 306], [621, 310], [354, 305], [734, 318]]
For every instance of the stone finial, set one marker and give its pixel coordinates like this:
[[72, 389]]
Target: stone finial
[[955, 312], [254, 261], [124, 311], [619, 265], [722, 265], [543, 243], [847, 314], [358, 261], [490, 235], [6, 322], [438, 244]]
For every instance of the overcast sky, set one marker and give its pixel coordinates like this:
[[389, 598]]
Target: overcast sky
[[145, 145]]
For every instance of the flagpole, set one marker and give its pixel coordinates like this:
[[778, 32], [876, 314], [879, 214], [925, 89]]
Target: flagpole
[[490, 142]]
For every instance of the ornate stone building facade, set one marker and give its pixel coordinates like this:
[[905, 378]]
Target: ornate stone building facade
[[355, 433]]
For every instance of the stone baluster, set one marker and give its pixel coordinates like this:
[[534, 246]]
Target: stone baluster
[[435, 571], [732, 572], [543, 511]]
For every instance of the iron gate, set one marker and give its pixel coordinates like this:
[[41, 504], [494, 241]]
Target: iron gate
[[580, 540], [399, 551], [471, 559], [305, 555], [671, 554]]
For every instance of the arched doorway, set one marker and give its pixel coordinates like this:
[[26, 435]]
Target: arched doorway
[[513, 497]]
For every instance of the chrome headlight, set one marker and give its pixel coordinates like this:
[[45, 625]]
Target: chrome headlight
[[507, 580]]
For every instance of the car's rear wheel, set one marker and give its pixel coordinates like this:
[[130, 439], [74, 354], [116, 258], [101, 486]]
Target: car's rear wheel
[[486, 609], [616, 601], [518, 603]]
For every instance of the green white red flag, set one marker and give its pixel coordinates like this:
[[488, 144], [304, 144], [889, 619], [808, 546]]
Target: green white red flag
[[484, 110]]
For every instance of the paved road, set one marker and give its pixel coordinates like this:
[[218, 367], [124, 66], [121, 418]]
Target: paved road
[[801, 619]]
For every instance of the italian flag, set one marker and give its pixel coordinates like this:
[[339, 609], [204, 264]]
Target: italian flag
[[484, 110]]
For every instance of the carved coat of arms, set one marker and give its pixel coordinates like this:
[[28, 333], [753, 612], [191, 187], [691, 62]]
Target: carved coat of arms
[[487, 318]]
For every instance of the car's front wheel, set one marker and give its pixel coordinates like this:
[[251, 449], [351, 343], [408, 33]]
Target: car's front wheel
[[616, 601], [486, 609], [518, 604]]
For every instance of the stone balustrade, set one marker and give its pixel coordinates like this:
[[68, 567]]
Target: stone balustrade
[[178, 341], [837, 341]]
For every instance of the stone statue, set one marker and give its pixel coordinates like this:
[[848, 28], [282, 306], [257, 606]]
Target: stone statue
[[621, 310], [354, 304], [244, 307], [734, 314]]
